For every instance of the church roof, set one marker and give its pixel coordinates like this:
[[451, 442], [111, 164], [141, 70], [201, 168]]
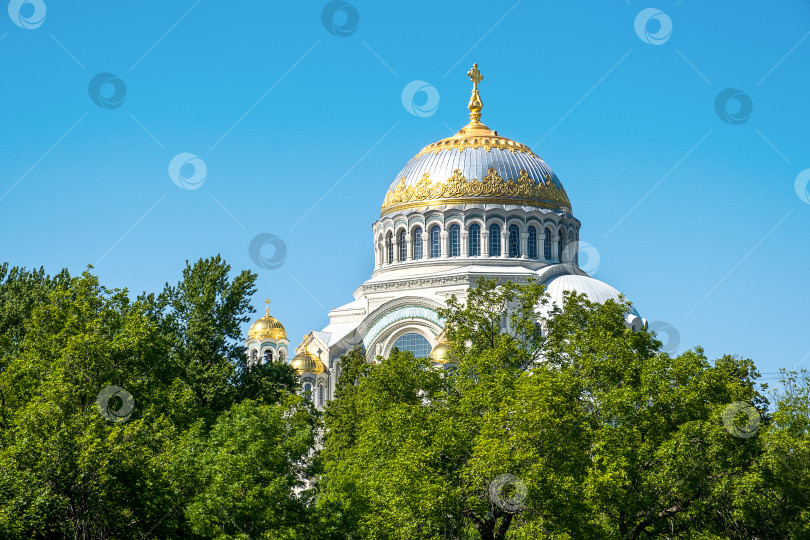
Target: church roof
[[267, 327], [476, 165]]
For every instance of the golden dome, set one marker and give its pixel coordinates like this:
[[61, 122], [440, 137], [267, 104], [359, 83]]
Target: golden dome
[[267, 327], [439, 353], [306, 362], [475, 166]]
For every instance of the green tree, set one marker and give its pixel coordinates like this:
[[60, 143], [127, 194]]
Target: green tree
[[76, 464], [582, 428], [247, 466]]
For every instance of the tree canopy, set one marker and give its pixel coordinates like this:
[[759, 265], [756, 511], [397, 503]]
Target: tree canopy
[[139, 417], [128, 418], [582, 428]]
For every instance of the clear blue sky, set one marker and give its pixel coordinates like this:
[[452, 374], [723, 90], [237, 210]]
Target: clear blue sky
[[694, 218]]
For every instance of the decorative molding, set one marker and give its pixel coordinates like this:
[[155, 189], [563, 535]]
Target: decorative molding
[[408, 312], [522, 191]]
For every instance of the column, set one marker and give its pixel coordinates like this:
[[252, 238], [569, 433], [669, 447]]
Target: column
[[464, 243], [396, 248], [444, 244], [409, 243], [484, 243], [504, 243], [555, 243], [524, 245], [541, 244]]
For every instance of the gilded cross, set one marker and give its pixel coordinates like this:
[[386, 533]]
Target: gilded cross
[[475, 76], [267, 309]]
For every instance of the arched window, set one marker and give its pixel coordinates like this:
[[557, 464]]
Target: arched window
[[435, 242], [532, 246], [281, 355], [416, 343], [494, 240], [561, 248], [455, 241], [268, 356], [514, 241], [389, 247], [320, 395], [474, 240], [308, 391], [403, 246], [254, 355], [547, 245], [417, 243]]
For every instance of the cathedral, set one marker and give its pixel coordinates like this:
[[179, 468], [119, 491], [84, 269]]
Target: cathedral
[[473, 205]]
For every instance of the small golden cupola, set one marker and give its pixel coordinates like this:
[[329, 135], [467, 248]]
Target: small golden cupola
[[440, 354], [306, 362], [267, 339], [267, 327]]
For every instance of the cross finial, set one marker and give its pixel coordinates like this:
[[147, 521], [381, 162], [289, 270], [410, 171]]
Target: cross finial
[[267, 308], [475, 76], [475, 104]]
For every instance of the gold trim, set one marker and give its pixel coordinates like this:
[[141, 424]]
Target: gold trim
[[488, 141], [490, 189]]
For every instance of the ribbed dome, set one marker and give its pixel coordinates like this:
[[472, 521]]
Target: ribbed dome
[[307, 362], [267, 327], [439, 353], [475, 166], [595, 290]]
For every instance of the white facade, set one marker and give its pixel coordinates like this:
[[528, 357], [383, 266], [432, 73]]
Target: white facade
[[469, 206]]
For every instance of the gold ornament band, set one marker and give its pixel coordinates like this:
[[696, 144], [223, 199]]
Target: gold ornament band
[[458, 190]]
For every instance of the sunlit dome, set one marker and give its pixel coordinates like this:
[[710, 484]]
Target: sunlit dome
[[307, 362], [475, 166], [440, 353], [595, 290], [267, 327]]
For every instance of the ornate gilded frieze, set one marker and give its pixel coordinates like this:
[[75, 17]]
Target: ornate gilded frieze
[[521, 191], [460, 143]]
